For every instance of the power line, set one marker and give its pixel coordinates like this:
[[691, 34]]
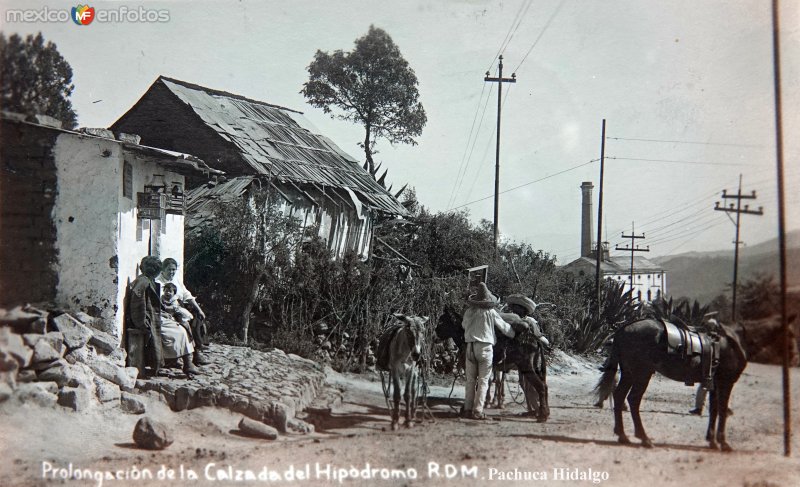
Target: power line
[[700, 163], [485, 152], [464, 160], [692, 238], [519, 22], [680, 232], [668, 212], [687, 142], [504, 44], [530, 182], [549, 21]]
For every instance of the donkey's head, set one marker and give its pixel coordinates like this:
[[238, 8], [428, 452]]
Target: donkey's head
[[415, 328]]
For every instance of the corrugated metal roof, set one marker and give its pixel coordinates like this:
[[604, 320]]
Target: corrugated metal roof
[[281, 142]]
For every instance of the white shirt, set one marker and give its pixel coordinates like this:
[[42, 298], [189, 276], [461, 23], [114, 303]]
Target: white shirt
[[182, 294], [479, 325]]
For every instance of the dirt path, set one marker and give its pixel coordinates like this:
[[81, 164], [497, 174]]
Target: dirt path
[[353, 441]]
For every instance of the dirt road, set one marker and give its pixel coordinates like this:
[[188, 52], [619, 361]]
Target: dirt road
[[353, 445]]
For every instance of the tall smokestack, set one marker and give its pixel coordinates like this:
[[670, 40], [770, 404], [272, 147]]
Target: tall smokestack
[[587, 223]]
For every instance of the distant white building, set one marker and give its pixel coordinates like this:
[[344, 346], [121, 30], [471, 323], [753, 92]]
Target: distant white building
[[649, 279]]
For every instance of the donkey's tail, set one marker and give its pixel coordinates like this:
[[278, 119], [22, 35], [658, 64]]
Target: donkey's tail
[[608, 381]]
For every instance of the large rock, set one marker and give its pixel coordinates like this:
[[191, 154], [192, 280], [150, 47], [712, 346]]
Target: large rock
[[5, 391], [44, 352], [54, 338], [109, 371], [103, 342], [257, 429], [76, 334], [26, 375], [12, 348], [151, 434], [75, 398], [131, 403], [106, 390], [24, 320], [67, 375], [81, 355], [39, 393], [84, 318]]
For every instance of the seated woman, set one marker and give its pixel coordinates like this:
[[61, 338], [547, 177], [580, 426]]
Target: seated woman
[[175, 339], [198, 333]]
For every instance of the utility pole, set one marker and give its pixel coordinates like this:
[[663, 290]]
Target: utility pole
[[600, 217], [633, 249], [499, 80], [776, 63], [737, 208]]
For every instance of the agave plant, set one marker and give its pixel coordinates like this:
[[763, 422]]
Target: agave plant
[[618, 306], [681, 313]]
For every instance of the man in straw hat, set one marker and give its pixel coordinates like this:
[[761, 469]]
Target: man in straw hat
[[480, 320], [523, 307]]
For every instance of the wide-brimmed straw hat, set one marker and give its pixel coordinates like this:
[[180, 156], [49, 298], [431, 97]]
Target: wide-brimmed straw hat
[[483, 298], [522, 300]]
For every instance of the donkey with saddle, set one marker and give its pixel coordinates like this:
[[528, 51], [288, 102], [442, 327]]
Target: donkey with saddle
[[646, 346]]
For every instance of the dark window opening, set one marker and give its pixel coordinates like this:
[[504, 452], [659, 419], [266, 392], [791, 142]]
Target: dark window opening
[[127, 180]]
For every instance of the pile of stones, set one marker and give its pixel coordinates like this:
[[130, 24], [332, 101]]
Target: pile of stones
[[50, 358]]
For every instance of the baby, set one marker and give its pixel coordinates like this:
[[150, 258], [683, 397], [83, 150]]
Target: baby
[[171, 306]]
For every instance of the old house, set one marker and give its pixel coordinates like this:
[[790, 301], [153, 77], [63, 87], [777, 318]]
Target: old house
[[319, 183], [79, 210], [649, 279]]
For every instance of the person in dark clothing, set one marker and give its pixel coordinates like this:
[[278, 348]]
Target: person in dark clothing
[[144, 312]]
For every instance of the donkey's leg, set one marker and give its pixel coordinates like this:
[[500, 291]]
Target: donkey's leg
[[396, 374], [713, 411], [543, 411], [724, 396], [407, 395], [489, 401], [500, 389], [531, 394], [414, 380], [634, 400], [620, 393]]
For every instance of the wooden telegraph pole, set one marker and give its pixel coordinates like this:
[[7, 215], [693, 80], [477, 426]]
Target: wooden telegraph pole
[[787, 336], [737, 208], [499, 80], [633, 249], [600, 218]]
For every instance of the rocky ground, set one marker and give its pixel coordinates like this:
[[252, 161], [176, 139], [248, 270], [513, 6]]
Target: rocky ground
[[352, 443]]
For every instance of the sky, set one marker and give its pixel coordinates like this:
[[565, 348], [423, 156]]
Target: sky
[[685, 87]]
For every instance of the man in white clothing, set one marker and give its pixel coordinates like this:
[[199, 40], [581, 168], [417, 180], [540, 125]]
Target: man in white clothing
[[479, 323]]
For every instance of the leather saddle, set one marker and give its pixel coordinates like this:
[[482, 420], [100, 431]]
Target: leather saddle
[[689, 343]]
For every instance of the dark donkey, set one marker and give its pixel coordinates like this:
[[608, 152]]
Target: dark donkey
[[640, 349], [526, 355]]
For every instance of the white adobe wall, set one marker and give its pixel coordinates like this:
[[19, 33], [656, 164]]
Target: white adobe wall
[[136, 237], [100, 240], [86, 219]]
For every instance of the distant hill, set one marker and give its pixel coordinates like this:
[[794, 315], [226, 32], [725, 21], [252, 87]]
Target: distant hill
[[705, 275]]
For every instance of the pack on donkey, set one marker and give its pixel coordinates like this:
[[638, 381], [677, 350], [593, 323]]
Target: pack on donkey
[[400, 349], [646, 346]]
